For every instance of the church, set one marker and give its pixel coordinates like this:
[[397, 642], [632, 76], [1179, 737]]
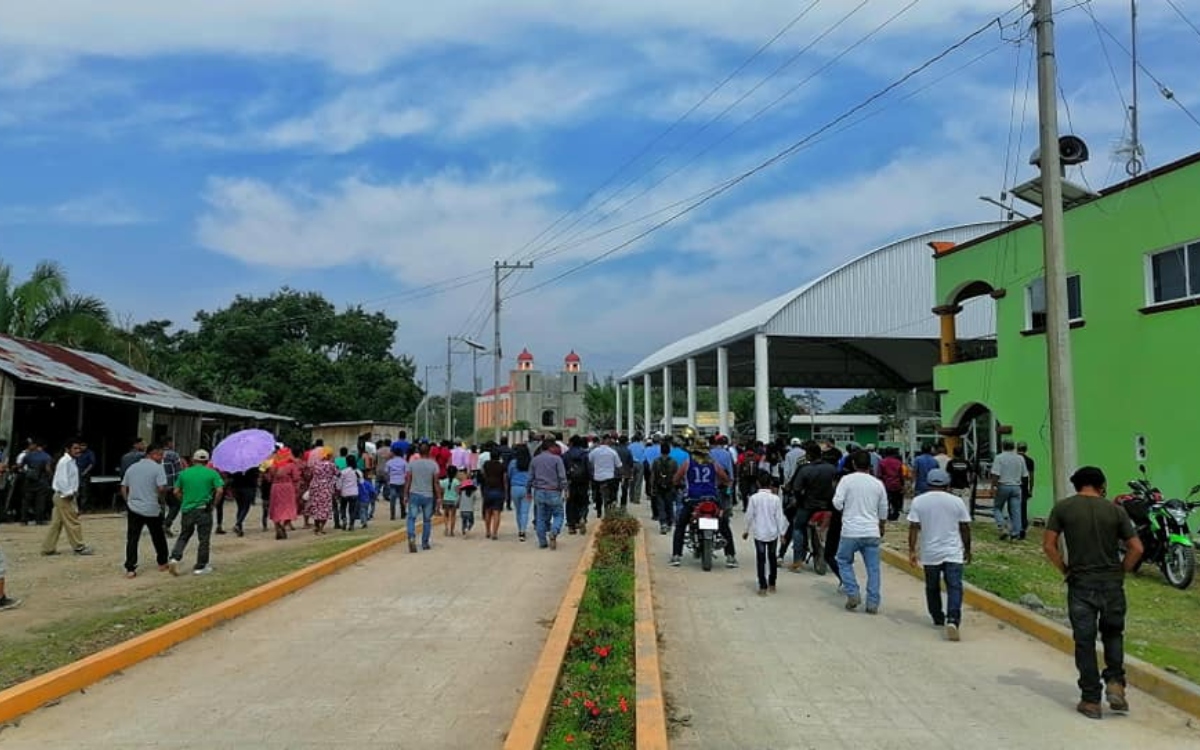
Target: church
[[551, 402]]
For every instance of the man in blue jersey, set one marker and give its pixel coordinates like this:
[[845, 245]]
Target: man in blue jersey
[[701, 479]]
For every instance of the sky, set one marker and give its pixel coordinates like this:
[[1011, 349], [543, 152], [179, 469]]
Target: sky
[[386, 153]]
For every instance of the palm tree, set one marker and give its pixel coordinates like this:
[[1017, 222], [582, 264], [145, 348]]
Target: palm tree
[[43, 308]]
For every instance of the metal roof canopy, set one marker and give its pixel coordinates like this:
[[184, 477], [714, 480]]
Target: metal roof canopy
[[865, 324], [96, 375]]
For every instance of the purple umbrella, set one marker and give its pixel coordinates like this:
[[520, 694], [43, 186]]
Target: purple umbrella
[[243, 450]]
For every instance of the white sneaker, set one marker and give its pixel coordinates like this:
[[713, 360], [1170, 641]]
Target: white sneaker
[[731, 562], [951, 631], [202, 571]]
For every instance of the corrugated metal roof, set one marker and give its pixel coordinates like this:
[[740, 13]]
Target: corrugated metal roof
[[97, 375], [888, 292]]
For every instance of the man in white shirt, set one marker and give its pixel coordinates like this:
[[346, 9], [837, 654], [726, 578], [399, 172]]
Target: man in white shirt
[[606, 473], [943, 524], [765, 519], [1007, 472], [66, 514], [862, 500]]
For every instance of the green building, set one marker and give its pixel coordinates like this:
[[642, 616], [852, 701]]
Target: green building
[[1133, 258], [840, 429]]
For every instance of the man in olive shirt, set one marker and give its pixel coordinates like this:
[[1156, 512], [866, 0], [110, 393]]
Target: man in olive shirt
[[196, 488], [1094, 527]]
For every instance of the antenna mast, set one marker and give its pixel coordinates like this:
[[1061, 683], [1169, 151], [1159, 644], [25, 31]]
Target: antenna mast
[[1134, 166]]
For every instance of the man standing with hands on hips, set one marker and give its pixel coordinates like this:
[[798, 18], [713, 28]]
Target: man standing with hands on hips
[[1094, 528]]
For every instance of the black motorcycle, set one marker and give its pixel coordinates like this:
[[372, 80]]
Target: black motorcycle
[[1162, 527]]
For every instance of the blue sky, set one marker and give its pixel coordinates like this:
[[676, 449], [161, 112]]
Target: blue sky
[[172, 155]]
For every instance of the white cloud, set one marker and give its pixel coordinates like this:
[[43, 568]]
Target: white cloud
[[349, 120], [421, 230], [527, 96], [98, 210]]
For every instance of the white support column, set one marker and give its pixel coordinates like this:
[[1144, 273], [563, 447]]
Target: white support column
[[723, 391], [668, 413], [617, 421], [691, 391], [632, 410], [762, 388], [648, 397]]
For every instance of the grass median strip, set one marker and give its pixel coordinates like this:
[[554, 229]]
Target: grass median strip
[[106, 623], [1161, 624], [594, 703]]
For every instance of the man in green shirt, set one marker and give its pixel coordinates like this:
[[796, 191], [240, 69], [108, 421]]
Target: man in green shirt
[[1094, 528], [196, 487]]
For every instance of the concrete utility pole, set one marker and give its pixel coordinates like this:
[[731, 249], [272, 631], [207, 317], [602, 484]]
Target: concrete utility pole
[[1063, 452], [496, 349]]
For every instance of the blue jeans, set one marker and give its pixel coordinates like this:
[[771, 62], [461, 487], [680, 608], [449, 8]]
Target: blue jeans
[[549, 513], [521, 504], [953, 573], [869, 547], [1008, 499], [394, 492], [800, 535], [422, 504]]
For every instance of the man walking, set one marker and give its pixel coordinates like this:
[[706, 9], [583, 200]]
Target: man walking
[[547, 481], [661, 487], [863, 502], [172, 465], [424, 492], [1094, 529], [196, 488], [813, 489], [637, 471], [578, 478], [86, 463], [135, 454], [1026, 487], [606, 474], [959, 470], [65, 516], [942, 524], [142, 487], [924, 463], [34, 466], [1008, 471], [626, 471]]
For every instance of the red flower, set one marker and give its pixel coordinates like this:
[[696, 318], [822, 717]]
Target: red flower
[[569, 738], [567, 702], [624, 705], [589, 704], [577, 694], [595, 712], [602, 651]]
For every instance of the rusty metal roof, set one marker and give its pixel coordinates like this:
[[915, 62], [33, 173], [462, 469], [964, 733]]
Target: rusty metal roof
[[96, 375]]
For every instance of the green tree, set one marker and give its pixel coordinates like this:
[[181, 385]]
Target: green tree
[[600, 402], [43, 308], [290, 353], [878, 402]]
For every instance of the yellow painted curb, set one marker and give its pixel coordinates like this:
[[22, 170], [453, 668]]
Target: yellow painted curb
[[1146, 677], [529, 724], [34, 693], [651, 706]]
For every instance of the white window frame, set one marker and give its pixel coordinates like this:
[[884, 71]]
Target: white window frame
[[1029, 300], [1148, 274]]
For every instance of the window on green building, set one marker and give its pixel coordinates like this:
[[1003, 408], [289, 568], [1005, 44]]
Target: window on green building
[[1175, 273], [1035, 302]]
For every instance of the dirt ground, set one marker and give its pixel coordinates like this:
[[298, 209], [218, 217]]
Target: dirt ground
[[54, 586]]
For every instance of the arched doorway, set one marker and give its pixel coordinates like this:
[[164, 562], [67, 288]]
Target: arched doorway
[[977, 427]]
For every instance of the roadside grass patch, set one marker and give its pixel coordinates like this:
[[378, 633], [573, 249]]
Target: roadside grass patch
[[1161, 621], [103, 624], [594, 702]]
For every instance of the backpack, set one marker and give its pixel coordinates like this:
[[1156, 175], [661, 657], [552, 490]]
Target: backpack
[[577, 469], [748, 471], [664, 474], [366, 491]]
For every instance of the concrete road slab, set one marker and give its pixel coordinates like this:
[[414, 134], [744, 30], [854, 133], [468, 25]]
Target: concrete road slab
[[795, 670], [430, 650]]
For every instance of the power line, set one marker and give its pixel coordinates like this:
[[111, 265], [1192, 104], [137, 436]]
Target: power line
[[780, 156], [1184, 17], [670, 129]]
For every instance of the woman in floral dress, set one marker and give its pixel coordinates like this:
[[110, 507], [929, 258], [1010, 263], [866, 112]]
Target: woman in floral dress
[[321, 488]]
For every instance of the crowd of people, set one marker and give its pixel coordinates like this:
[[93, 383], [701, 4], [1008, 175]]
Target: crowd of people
[[792, 494]]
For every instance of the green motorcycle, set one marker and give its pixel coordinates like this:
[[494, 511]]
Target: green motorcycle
[[1162, 526]]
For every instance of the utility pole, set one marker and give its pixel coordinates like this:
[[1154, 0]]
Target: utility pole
[[497, 352], [449, 385], [1063, 456], [1134, 166]]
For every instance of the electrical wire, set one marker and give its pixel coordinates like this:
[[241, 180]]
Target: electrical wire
[[780, 156], [1195, 29]]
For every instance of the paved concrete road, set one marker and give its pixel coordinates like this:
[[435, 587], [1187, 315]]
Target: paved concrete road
[[795, 670], [423, 651]]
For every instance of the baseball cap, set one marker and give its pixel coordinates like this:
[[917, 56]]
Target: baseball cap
[[795, 441], [200, 455], [937, 478]]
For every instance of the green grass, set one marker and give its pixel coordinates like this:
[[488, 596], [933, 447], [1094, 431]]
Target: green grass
[[1162, 624], [595, 697], [109, 622]]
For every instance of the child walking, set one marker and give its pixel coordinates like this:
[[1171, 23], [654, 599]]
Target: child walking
[[466, 506], [450, 488], [765, 519]]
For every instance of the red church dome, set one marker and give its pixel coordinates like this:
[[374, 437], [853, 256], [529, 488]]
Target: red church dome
[[525, 356], [572, 357]]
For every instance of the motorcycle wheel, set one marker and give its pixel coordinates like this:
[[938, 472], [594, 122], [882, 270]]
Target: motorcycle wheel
[[1179, 565], [706, 552]]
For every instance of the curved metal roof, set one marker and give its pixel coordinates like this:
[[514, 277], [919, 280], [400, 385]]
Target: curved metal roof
[[887, 293]]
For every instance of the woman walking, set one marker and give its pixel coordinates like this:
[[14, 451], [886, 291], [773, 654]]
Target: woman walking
[[518, 486], [348, 489], [284, 477], [494, 480], [321, 488], [244, 486]]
